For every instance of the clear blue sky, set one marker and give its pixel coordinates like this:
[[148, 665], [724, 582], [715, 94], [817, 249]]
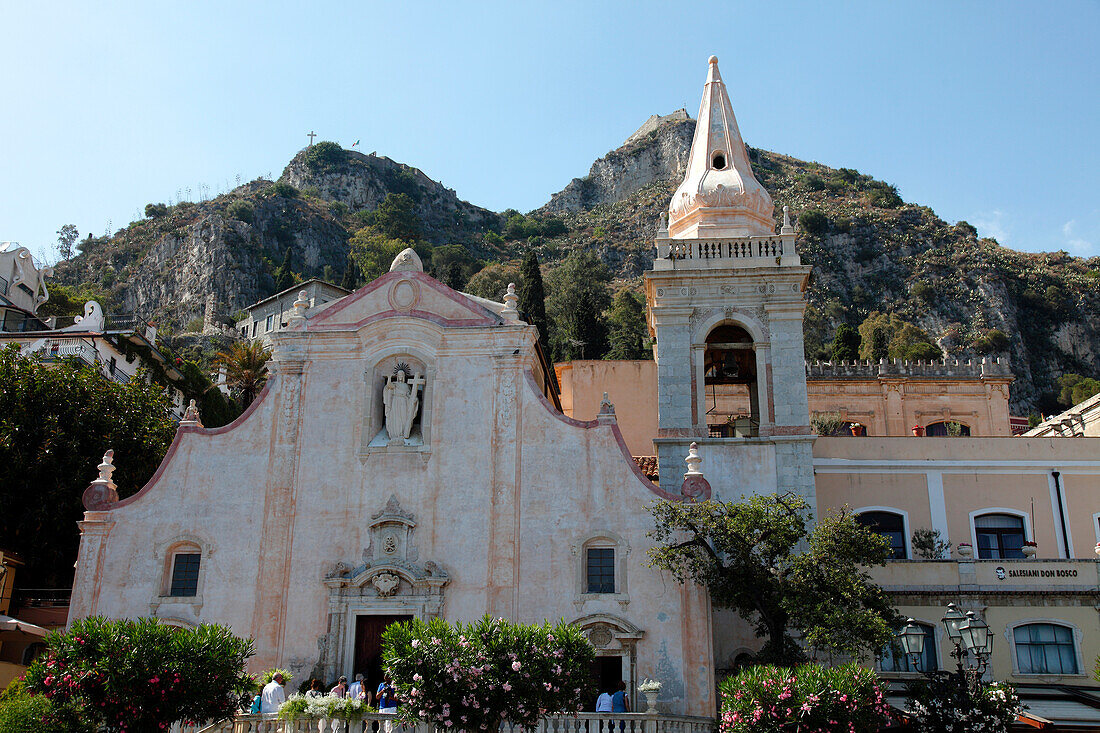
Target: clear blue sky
[[984, 111]]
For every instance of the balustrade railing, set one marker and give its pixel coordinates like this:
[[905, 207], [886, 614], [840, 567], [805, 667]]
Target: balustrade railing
[[725, 249], [580, 723]]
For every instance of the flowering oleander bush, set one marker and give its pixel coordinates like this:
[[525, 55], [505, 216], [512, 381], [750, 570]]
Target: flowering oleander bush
[[323, 706], [948, 704], [470, 677], [142, 675], [810, 697]]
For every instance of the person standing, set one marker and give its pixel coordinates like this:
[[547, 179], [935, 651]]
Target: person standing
[[341, 689], [387, 700], [356, 691], [620, 703], [315, 689], [273, 695]]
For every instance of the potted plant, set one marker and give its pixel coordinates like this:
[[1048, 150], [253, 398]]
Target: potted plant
[[650, 688], [966, 550], [918, 431], [1029, 549], [1097, 549], [856, 428]]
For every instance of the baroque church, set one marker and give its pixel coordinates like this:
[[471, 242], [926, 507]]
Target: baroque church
[[410, 457]]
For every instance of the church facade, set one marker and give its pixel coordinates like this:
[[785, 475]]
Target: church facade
[[410, 457]]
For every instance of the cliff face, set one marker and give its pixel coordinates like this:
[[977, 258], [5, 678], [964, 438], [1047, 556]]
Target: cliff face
[[362, 182]]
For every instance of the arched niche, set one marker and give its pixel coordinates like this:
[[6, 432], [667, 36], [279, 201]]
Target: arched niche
[[419, 370], [732, 370]]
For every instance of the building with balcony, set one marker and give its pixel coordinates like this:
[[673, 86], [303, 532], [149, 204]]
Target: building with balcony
[[273, 313]]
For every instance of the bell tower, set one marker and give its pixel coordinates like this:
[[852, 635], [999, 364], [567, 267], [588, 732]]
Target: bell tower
[[724, 301]]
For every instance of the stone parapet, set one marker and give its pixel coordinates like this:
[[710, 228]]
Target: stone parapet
[[942, 369]]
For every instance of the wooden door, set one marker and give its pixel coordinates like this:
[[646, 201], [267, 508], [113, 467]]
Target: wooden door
[[368, 647]]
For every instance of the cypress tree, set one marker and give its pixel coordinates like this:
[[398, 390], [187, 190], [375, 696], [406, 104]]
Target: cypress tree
[[846, 343], [532, 296], [351, 275], [284, 277]]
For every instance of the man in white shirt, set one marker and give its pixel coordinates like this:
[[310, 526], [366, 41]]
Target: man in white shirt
[[273, 695], [603, 703], [356, 691]]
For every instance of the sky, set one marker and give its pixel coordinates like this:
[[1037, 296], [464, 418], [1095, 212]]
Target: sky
[[986, 112]]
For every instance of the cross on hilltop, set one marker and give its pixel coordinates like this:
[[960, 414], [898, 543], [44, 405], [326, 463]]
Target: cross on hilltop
[[311, 135]]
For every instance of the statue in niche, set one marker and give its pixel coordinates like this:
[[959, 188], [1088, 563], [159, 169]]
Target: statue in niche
[[401, 397]]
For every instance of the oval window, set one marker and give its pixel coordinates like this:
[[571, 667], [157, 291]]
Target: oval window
[[719, 161]]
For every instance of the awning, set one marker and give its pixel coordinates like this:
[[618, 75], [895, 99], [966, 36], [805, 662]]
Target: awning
[[12, 629]]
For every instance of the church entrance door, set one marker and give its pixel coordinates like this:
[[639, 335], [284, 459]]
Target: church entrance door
[[368, 646], [607, 672]]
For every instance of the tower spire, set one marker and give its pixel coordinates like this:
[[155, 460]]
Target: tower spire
[[719, 196]]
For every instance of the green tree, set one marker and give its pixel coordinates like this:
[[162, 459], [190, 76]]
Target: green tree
[[284, 276], [66, 238], [627, 327], [59, 420], [143, 675], [845, 343], [579, 295], [350, 280], [241, 210], [152, 211], [758, 557], [395, 218], [373, 252], [1074, 388], [886, 335], [245, 370], [452, 265], [813, 221], [532, 296], [519, 671], [324, 156], [491, 282]]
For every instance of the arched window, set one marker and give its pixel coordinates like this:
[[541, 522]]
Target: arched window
[[729, 378], [1000, 536], [890, 525], [185, 573], [894, 658], [947, 428], [1045, 649]]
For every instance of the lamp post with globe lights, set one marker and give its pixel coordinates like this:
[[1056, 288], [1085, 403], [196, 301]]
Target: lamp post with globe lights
[[970, 637]]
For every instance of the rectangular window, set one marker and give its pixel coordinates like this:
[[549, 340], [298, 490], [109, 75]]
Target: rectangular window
[[185, 575], [601, 569], [270, 321]]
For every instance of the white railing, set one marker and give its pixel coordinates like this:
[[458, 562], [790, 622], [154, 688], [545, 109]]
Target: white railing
[[741, 248], [62, 348], [580, 723]]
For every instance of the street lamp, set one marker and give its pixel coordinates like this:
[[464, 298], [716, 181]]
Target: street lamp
[[975, 635], [951, 621], [912, 640]]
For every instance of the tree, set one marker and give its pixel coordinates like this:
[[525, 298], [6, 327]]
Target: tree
[[153, 211], [491, 282], [143, 675], [395, 218], [350, 279], [813, 221], [579, 295], [627, 327], [846, 343], [66, 238], [885, 335], [59, 420], [519, 671], [245, 370], [284, 276], [1074, 388], [748, 555], [532, 296], [373, 252]]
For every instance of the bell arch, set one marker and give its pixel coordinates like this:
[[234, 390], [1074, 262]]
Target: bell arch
[[731, 368]]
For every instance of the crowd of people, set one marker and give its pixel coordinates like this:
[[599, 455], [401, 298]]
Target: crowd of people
[[385, 696]]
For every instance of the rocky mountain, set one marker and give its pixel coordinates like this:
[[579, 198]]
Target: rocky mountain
[[870, 249], [168, 265]]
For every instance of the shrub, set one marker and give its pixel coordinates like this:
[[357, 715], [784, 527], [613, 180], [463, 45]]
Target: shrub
[[810, 697], [828, 423], [518, 671], [943, 704], [326, 706], [812, 182], [923, 289], [883, 195], [142, 674], [284, 189], [154, 211], [240, 210], [967, 229], [323, 156], [991, 341], [813, 221], [24, 712], [337, 208], [269, 674]]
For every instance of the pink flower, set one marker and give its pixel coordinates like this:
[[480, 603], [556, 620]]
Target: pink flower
[[506, 687], [415, 643], [417, 677], [516, 666]]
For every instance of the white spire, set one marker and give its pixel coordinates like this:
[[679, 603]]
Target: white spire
[[719, 196]]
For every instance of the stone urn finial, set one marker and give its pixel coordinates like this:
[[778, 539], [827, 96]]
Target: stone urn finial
[[695, 485], [510, 311], [102, 492], [299, 313]]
